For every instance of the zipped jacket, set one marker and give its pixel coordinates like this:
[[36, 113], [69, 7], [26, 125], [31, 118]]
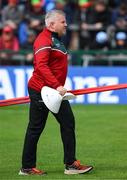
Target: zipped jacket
[[50, 61]]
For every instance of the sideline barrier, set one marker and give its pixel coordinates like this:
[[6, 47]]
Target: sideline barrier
[[26, 99], [13, 83]]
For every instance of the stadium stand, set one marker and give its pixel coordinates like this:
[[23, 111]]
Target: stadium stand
[[96, 32]]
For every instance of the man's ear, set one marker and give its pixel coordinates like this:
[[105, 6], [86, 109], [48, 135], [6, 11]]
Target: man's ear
[[52, 25]]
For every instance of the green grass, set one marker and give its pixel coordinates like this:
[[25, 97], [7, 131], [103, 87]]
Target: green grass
[[101, 133]]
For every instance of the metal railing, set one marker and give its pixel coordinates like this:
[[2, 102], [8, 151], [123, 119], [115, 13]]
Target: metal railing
[[77, 58]]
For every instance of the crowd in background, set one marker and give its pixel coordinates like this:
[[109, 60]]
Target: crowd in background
[[92, 24]]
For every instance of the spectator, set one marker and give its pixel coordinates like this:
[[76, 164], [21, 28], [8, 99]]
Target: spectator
[[119, 17], [59, 4], [121, 40], [72, 12], [101, 41], [97, 19], [23, 31], [28, 46], [49, 5], [12, 12], [35, 15], [121, 44], [85, 3], [8, 41], [36, 9]]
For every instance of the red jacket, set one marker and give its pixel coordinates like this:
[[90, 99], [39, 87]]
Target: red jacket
[[50, 61]]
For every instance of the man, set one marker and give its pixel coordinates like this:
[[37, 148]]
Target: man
[[12, 12], [8, 41], [50, 69]]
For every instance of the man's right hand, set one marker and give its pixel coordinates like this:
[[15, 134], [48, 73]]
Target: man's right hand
[[61, 90]]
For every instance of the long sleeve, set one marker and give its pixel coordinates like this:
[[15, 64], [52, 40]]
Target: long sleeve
[[42, 56], [50, 61]]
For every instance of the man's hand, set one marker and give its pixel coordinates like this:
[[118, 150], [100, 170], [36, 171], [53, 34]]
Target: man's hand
[[61, 90]]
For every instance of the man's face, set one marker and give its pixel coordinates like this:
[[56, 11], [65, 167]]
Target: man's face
[[100, 7], [59, 25], [7, 36]]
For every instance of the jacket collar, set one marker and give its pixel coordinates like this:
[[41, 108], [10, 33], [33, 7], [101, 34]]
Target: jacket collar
[[54, 34]]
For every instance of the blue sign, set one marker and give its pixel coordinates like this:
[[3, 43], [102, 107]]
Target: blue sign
[[13, 83], [84, 77]]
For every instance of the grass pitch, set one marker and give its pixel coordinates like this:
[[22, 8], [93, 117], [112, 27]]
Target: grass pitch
[[101, 133]]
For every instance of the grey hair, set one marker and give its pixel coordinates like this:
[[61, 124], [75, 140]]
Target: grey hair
[[51, 15]]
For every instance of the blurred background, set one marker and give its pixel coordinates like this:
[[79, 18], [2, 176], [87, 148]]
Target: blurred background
[[96, 40], [93, 25], [96, 37]]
